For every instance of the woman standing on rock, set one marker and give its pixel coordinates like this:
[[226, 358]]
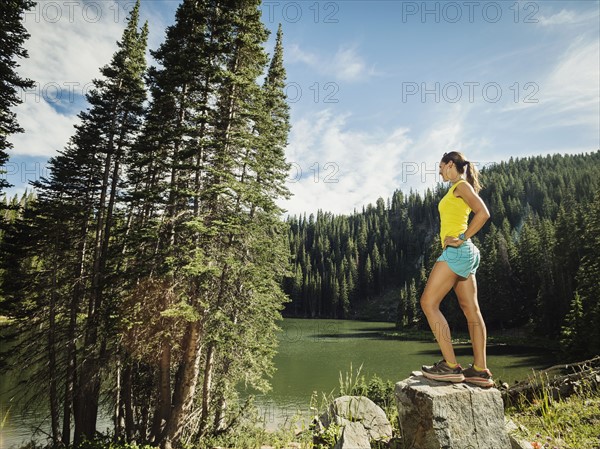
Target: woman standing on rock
[[456, 268]]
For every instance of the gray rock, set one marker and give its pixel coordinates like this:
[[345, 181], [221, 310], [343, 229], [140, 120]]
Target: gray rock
[[516, 442], [519, 444], [354, 436], [440, 415], [359, 409], [510, 425]]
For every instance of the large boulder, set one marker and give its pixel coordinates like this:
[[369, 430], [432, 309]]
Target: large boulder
[[441, 415], [359, 409]]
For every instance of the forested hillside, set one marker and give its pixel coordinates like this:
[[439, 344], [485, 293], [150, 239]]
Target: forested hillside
[[537, 250]]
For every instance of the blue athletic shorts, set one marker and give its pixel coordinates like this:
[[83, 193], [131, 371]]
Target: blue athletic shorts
[[463, 260]]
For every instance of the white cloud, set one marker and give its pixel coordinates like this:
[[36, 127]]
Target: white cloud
[[565, 17], [46, 130], [337, 169], [295, 54], [69, 42], [370, 165], [562, 17], [346, 64], [446, 132], [568, 95], [575, 78]]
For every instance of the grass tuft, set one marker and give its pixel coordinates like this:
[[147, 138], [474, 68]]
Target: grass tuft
[[547, 422]]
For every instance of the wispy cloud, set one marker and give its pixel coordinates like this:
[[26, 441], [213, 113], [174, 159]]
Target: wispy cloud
[[295, 54], [337, 169], [366, 165], [46, 130], [448, 129], [568, 94], [69, 42], [566, 17], [574, 80], [346, 64]]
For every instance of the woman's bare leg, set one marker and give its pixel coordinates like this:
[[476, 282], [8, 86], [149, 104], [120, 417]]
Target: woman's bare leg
[[440, 281], [466, 291]]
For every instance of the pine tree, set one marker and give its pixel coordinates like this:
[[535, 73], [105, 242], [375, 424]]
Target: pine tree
[[166, 170], [587, 333], [573, 334], [219, 242], [107, 132], [73, 225], [261, 182], [528, 248], [548, 314], [401, 308], [495, 280], [566, 257]]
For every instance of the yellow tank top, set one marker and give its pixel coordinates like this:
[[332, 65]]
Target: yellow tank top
[[454, 214]]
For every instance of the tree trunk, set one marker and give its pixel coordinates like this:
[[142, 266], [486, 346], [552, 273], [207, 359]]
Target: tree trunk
[[558, 382], [55, 424], [76, 298], [185, 387], [127, 401], [219, 422], [117, 412], [89, 381], [163, 407], [206, 387], [90, 373]]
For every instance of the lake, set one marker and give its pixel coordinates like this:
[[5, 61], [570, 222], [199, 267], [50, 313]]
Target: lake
[[311, 355]]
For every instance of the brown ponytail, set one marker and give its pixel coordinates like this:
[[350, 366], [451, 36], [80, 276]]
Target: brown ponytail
[[462, 165]]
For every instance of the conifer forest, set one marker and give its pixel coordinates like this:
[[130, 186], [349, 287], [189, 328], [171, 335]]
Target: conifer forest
[[150, 268]]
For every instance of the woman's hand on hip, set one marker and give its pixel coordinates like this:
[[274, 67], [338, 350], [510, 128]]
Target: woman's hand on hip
[[453, 241]]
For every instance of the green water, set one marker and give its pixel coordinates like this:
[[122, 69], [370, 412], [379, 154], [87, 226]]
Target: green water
[[311, 355]]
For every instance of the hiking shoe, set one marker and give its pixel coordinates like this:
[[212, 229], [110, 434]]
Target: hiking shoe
[[480, 378], [441, 371]]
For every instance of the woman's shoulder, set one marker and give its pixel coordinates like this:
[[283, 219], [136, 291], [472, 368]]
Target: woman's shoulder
[[461, 186]]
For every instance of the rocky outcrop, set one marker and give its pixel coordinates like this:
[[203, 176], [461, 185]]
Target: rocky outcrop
[[361, 420], [440, 415]]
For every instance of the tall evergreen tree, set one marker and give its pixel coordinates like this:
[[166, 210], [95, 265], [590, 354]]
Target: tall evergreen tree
[[585, 308], [117, 110], [73, 229], [218, 249]]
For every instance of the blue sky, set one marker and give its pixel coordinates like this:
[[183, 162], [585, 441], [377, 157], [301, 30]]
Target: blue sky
[[379, 90]]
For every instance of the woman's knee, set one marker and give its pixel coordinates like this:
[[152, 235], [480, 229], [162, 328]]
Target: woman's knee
[[428, 304], [471, 311], [468, 306]]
